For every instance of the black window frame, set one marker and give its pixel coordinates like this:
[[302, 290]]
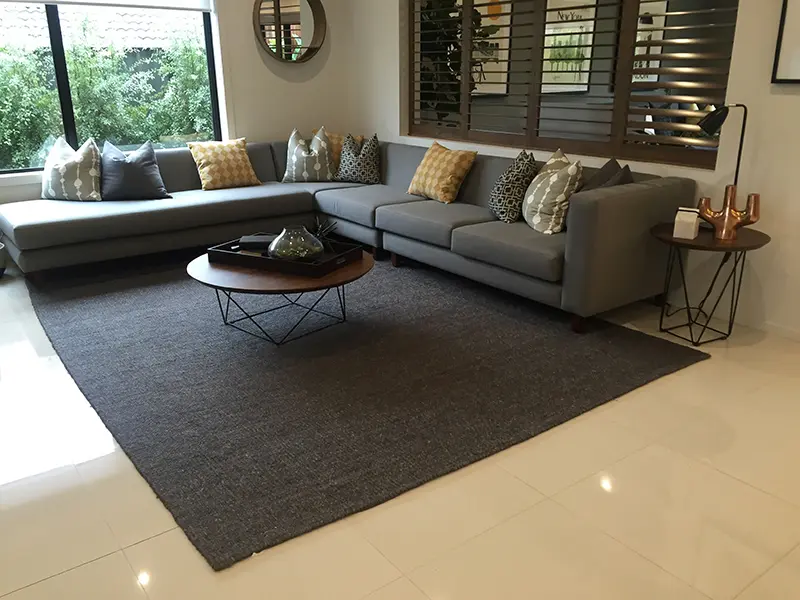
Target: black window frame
[[65, 94]]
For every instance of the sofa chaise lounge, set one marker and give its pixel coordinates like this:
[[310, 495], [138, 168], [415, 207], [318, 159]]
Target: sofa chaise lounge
[[606, 258]]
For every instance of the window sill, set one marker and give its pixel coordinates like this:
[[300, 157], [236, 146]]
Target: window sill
[[14, 179]]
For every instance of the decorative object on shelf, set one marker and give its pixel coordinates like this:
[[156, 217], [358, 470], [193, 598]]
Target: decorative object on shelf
[[2, 259], [786, 69], [729, 219], [296, 243], [687, 223], [290, 31], [323, 229]]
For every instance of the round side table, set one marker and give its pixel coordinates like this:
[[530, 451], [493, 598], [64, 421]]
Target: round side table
[[697, 317]]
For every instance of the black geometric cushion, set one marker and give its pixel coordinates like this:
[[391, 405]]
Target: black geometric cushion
[[360, 163], [509, 190]]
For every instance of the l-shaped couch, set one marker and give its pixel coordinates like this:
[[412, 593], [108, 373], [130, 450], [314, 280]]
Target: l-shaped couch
[[606, 258]]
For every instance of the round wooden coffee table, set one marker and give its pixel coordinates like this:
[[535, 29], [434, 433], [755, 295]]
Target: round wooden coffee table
[[227, 280]]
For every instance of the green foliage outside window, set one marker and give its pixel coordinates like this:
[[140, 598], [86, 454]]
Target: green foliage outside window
[[126, 96]]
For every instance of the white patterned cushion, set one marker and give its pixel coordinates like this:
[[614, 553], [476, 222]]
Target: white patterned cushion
[[547, 199], [309, 161], [70, 174], [360, 163]]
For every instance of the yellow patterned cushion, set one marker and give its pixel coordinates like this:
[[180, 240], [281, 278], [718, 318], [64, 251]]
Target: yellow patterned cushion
[[337, 141], [223, 164], [441, 172]]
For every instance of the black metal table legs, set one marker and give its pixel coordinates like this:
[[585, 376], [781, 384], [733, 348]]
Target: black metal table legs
[[261, 333], [697, 318]]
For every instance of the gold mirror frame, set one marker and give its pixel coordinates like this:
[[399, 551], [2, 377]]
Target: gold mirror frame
[[320, 29]]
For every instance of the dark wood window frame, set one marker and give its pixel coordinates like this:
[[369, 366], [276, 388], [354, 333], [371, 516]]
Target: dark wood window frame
[[630, 102]]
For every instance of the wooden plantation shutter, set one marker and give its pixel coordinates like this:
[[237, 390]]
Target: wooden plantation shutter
[[626, 78], [680, 72]]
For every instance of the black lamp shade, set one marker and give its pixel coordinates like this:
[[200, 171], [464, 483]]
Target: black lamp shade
[[713, 121]]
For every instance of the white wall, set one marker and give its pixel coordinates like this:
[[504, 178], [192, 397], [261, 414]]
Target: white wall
[[266, 98], [772, 153]]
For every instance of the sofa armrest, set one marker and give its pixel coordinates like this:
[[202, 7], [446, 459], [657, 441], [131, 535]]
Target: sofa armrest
[[611, 259]]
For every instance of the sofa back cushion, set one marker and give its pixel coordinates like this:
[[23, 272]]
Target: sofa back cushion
[[399, 162], [179, 171], [477, 187]]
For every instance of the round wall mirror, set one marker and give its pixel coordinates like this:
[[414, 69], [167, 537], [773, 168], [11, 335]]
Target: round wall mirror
[[290, 30]]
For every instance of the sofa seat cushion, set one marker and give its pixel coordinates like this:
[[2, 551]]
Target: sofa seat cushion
[[513, 246], [359, 204], [46, 223], [429, 220], [314, 187]]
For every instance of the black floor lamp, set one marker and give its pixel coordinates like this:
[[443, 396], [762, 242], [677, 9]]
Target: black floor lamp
[[728, 220], [713, 122]]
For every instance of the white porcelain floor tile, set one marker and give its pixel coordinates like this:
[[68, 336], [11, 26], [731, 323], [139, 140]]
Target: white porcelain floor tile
[[333, 563], [712, 531], [754, 438], [558, 458], [124, 499], [400, 589], [48, 526], [546, 552], [108, 578], [419, 525], [781, 582]]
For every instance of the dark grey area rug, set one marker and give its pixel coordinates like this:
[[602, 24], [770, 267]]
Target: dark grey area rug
[[249, 445]]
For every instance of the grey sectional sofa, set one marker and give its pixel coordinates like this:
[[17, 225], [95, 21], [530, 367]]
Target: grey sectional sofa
[[605, 259]]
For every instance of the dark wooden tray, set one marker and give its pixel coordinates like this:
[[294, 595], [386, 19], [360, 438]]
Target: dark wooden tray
[[343, 253]]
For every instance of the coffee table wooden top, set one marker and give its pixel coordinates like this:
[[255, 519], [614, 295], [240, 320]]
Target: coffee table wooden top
[[255, 281]]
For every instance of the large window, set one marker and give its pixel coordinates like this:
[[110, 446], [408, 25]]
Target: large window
[[122, 74], [625, 78]]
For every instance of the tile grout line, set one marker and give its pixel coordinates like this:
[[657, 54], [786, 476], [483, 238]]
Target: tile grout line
[[439, 555], [598, 528], [661, 441], [764, 573], [603, 532], [38, 581]]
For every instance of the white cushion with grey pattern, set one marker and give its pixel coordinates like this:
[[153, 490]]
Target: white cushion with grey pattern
[[360, 163], [72, 174], [309, 161], [547, 199], [508, 192]]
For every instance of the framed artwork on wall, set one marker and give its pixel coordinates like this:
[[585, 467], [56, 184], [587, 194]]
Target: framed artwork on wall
[[786, 68], [569, 36]]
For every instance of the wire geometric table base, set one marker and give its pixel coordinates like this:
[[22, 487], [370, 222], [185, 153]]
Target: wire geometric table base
[[694, 313], [261, 333]]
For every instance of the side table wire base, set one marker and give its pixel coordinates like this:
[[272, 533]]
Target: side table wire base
[[697, 317], [261, 333]]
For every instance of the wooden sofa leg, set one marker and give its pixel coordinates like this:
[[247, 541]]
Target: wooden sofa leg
[[377, 253], [395, 260], [578, 324]]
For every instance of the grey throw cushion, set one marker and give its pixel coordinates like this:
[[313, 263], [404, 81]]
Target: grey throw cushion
[[132, 177], [506, 198], [360, 163], [602, 176], [547, 199], [621, 177], [309, 161], [72, 175]]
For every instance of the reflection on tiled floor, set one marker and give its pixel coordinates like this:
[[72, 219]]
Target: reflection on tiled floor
[[688, 488]]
